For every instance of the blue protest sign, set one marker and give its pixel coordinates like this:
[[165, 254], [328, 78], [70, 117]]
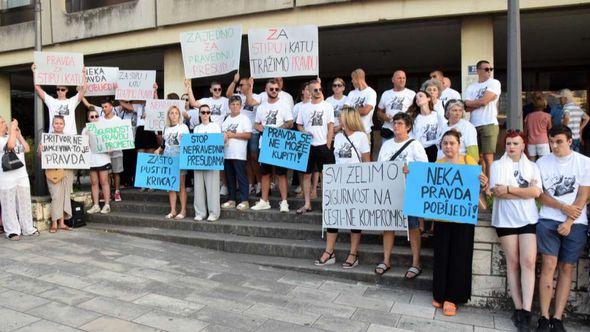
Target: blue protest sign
[[157, 172], [201, 152], [285, 148], [442, 191]]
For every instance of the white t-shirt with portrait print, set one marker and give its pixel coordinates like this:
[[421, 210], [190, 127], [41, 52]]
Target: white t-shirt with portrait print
[[514, 213], [487, 114], [449, 94], [337, 104], [413, 152], [210, 128], [361, 98], [65, 108], [139, 110], [283, 97], [468, 135], [249, 111], [219, 108], [273, 115], [315, 119], [172, 136], [426, 129], [345, 153], [394, 102], [562, 177], [236, 148], [194, 121]]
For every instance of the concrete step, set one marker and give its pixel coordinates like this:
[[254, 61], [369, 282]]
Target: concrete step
[[308, 249]]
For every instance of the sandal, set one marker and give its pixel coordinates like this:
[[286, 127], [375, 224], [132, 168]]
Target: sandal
[[436, 304], [303, 209], [331, 259], [382, 268], [449, 309], [170, 216], [179, 216], [348, 265], [13, 237], [35, 233], [415, 270]]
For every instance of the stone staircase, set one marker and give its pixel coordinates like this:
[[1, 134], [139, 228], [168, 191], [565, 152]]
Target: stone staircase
[[270, 238]]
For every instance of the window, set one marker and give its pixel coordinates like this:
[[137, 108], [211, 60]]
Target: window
[[81, 5], [16, 11]]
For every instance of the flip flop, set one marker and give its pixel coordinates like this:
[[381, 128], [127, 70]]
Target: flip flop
[[170, 216], [303, 209], [383, 268], [449, 309], [415, 270]]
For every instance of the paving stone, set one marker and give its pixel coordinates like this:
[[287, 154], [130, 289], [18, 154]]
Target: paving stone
[[115, 308], [229, 319], [323, 308], [119, 278], [348, 287], [383, 328], [220, 328], [12, 320], [274, 326], [476, 319], [283, 314], [413, 310], [170, 322], [268, 286], [268, 298], [26, 285], [26, 269], [423, 298], [108, 265], [397, 295], [115, 291], [219, 303], [67, 296], [429, 325], [106, 323], [67, 280], [301, 279], [153, 274], [378, 317], [20, 301], [141, 261], [364, 302], [169, 304], [313, 294], [503, 322], [485, 329], [46, 326], [340, 325], [64, 314]]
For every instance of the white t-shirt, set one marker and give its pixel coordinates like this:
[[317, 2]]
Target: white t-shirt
[[337, 104], [514, 213], [116, 153], [219, 108], [97, 159], [488, 114], [344, 153], [425, 129], [449, 94], [127, 115], [283, 96], [315, 118], [394, 102], [194, 121], [297, 109], [236, 148], [139, 108], [211, 128], [249, 111], [468, 135], [360, 98], [273, 115], [172, 136], [561, 179], [8, 179], [66, 108], [413, 152]]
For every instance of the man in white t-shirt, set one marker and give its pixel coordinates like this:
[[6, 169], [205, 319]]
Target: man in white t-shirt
[[273, 113], [219, 105], [284, 96], [448, 92], [63, 105], [394, 101], [363, 98], [481, 100], [563, 222]]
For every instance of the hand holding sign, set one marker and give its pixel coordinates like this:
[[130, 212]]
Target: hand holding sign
[[64, 151], [157, 172], [285, 148], [202, 152], [58, 68]]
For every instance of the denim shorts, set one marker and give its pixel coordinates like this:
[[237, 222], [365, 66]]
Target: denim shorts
[[567, 249], [253, 143]]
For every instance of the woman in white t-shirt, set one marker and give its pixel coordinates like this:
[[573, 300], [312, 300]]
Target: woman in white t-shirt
[[351, 145], [171, 148], [454, 111], [206, 200], [434, 88], [426, 124], [100, 164], [515, 182], [337, 100]]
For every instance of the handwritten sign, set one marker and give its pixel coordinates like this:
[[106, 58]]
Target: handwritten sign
[[110, 136], [156, 111], [211, 52], [284, 51], [101, 80], [201, 152], [367, 196], [285, 148], [135, 85], [443, 191], [58, 68], [65, 151], [157, 172]]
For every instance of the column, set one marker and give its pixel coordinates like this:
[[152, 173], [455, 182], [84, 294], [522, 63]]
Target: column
[[173, 71], [477, 43], [5, 107]]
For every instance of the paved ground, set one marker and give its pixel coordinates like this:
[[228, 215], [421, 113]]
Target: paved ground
[[92, 281]]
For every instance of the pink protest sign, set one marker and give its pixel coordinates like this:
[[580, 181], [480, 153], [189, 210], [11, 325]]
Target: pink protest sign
[[101, 80], [58, 68], [135, 85]]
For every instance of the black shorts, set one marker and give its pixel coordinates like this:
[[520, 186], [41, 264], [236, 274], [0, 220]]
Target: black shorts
[[318, 157], [266, 169], [145, 139], [106, 167], [526, 229]]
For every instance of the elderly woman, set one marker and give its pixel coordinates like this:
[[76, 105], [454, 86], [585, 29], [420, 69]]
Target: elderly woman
[[434, 88], [454, 111], [15, 195]]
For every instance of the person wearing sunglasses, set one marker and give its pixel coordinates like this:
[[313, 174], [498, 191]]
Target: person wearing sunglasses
[[363, 98], [62, 105], [100, 165], [481, 100], [393, 101], [305, 98], [337, 100], [284, 96]]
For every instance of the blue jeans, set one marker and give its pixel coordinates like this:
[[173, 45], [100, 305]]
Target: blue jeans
[[236, 179]]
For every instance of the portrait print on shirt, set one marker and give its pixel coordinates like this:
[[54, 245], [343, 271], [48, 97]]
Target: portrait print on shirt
[[481, 92], [345, 151], [215, 109], [562, 185], [317, 119], [233, 127], [359, 102], [430, 132], [63, 110], [396, 104], [271, 117], [522, 183]]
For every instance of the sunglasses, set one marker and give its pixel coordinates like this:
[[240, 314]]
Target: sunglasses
[[93, 117], [273, 89], [185, 99], [216, 89], [206, 112], [337, 85], [317, 90], [513, 131], [432, 76], [62, 89], [487, 69], [242, 84]]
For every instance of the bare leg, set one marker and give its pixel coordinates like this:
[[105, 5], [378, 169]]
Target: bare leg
[[265, 187], [307, 190], [415, 245], [562, 292], [510, 246], [546, 283], [388, 237], [316, 179], [95, 187], [283, 187], [355, 240], [182, 195], [172, 200], [106, 186], [330, 241], [528, 254]]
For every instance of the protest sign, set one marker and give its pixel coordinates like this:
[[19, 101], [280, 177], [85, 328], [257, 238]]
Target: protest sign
[[201, 152], [101, 81], [157, 172], [58, 68], [366, 196], [65, 151], [211, 52], [443, 191], [285, 148], [284, 51], [156, 111], [135, 85], [107, 136]]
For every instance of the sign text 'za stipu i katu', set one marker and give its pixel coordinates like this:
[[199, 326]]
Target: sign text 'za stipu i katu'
[[58, 68]]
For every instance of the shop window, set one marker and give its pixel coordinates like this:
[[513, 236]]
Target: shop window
[[81, 5]]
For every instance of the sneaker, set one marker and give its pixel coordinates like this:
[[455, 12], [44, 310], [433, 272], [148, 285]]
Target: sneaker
[[223, 190], [198, 218], [557, 325], [94, 209], [212, 218], [106, 209], [117, 196], [228, 205], [524, 325], [243, 206], [261, 205], [543, 325], [284, 206], [298, 190]]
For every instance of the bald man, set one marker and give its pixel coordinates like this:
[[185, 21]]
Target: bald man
[[448, 93], [394, 101], [363, 98]]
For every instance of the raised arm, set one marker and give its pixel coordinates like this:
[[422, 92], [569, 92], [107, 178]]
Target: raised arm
[[192, 101], [38, 88], [250, 101], [232, 86], [82, 89]]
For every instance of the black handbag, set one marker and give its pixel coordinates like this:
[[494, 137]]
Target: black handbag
[[78, 218], [10, 161]]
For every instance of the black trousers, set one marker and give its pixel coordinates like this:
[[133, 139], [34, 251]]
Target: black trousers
[[453, 258], [129, 161]]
